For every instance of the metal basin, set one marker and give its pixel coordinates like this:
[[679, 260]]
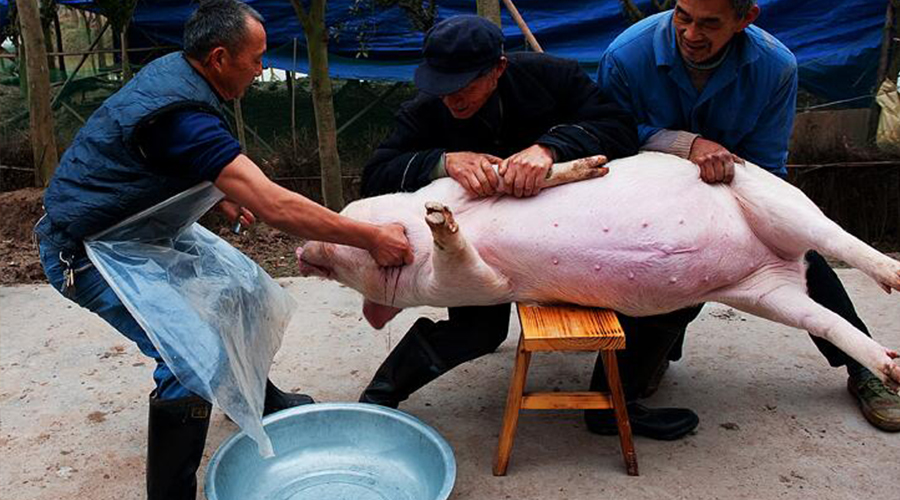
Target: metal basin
[[336, 451]]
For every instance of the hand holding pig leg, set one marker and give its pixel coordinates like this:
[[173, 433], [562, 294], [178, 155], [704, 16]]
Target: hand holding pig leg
[[390, 246], [473, 171], [524, 173]]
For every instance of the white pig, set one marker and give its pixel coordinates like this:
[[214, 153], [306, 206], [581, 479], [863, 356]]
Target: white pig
[[648, 238]]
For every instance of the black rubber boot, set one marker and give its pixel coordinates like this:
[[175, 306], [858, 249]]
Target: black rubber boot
[[277, 400], [408, 367], [176, 436], [649, 341], [665, 424]]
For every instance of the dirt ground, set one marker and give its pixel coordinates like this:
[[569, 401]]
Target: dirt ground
[[19, 262], [775, 420]]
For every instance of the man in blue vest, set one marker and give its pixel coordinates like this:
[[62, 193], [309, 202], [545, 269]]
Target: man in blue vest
[[707, 85], [161, 134]]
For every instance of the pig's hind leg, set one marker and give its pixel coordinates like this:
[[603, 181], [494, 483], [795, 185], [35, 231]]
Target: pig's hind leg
[[789, 223], [778, 293]]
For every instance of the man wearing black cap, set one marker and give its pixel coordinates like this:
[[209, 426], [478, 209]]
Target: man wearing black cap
[[479, 107]]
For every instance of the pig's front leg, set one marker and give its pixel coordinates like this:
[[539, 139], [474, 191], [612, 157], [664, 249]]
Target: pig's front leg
[[459, 274]]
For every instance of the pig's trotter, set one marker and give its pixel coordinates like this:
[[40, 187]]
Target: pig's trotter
[[889, 275], [444, 228], [576, 170], [891, 370]]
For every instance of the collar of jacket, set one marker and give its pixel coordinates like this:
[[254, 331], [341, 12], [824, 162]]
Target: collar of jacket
[[743, 52]]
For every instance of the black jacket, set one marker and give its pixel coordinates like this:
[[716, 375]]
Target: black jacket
[[540, 99]]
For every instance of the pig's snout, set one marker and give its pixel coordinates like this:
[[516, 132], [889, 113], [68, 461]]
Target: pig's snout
[[308, 268]]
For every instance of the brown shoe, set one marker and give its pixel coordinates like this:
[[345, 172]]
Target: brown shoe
[[880, 406]]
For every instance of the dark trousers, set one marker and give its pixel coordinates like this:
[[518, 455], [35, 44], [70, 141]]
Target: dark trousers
[[468, 333], [648, 341], [472, 332]]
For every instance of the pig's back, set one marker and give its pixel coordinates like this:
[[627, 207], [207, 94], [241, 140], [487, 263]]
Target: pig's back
[[648, 237]]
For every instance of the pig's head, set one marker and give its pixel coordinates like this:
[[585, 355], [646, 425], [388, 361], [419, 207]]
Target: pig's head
[[447, 271], [347, 265], [357, 269]]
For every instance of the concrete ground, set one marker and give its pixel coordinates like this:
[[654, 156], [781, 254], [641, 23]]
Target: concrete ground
[[776, 421]]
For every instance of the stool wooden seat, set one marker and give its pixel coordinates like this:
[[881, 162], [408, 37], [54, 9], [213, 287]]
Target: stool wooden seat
[[566, 328]]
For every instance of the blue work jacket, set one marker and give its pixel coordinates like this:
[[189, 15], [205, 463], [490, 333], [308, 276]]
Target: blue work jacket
[[747, 105]]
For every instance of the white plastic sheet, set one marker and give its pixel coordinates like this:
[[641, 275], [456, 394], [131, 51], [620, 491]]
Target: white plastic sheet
[[215, 316]]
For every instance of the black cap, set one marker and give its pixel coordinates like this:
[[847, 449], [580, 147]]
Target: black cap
[[457, 50]]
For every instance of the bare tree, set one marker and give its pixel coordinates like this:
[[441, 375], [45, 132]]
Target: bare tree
[[313, 21], [43, 139]]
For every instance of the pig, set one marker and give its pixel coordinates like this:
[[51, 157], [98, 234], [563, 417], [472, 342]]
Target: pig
[[647, 238]]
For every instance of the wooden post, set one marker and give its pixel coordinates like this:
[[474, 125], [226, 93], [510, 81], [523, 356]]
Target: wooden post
[[23, 61], [239, 124], [46, 26], [43, 140], [514, 12], [313, 22], [489, 9], [87, 32], [123, 45], [293, 92], [59, 42]]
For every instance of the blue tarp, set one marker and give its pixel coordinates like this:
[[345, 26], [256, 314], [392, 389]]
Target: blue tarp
[[837, 42]]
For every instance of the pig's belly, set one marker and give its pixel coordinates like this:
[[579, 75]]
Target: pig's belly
[[645, 239]]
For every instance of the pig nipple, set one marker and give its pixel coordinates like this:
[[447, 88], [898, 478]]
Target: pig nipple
[[681, 222], [673, 280], [555, 261], [556, 224], [630, 275], [706, 279], [596, 267], [605, 229], [645, 224]]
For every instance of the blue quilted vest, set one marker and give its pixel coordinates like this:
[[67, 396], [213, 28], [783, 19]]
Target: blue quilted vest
[[104, 177]]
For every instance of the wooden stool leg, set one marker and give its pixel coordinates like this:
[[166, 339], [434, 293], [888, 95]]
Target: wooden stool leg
[[513, 405], [611, 366]]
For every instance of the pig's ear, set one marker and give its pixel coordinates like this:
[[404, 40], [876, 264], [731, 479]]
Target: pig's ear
[[378, 315]]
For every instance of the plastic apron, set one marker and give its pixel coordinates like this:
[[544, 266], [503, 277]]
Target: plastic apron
[[215, 316]]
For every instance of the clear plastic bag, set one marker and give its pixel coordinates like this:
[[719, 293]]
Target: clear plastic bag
[[215, 316]]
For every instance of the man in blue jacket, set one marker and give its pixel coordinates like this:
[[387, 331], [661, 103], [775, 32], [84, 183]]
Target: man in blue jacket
[[706, 85], [160, 135]]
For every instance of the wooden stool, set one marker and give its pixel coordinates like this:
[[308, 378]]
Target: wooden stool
[[566, 328]]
